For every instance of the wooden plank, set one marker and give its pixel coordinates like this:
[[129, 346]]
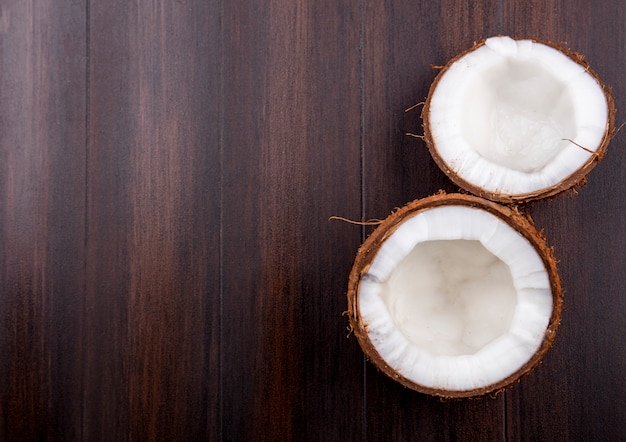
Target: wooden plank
[[291, 160], [403, 41], [579, 391], [42, 218], [152, 369]]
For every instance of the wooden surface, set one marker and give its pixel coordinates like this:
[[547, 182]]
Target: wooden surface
[[168, 270]]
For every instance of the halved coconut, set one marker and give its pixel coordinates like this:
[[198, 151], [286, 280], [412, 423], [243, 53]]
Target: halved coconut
[[455, 296], [517, 120]]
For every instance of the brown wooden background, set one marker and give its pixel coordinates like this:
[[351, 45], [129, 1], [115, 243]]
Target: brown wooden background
[[167, 267]]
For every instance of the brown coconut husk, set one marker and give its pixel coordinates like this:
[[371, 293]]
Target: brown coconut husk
[[370, 247], [572, 182]]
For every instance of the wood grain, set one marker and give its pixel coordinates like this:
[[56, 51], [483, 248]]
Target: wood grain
[[291, 160], [168, 269], [42, 218], [152, 353]]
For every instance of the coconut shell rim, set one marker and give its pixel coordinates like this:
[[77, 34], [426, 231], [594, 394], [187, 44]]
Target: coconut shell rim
[[572, 182], [511, 216]]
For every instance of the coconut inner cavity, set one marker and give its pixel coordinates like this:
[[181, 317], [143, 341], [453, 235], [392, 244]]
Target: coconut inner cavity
[[451, 297], [518, 115]]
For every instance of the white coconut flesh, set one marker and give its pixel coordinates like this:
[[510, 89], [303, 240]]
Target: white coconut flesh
[[456, 299], [511, 116]]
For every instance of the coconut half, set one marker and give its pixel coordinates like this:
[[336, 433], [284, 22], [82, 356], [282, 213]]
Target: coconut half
[[517, 120], [455, 296]]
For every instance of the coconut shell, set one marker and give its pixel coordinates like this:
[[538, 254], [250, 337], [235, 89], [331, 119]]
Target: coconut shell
[[370, 247], [572, 182]]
